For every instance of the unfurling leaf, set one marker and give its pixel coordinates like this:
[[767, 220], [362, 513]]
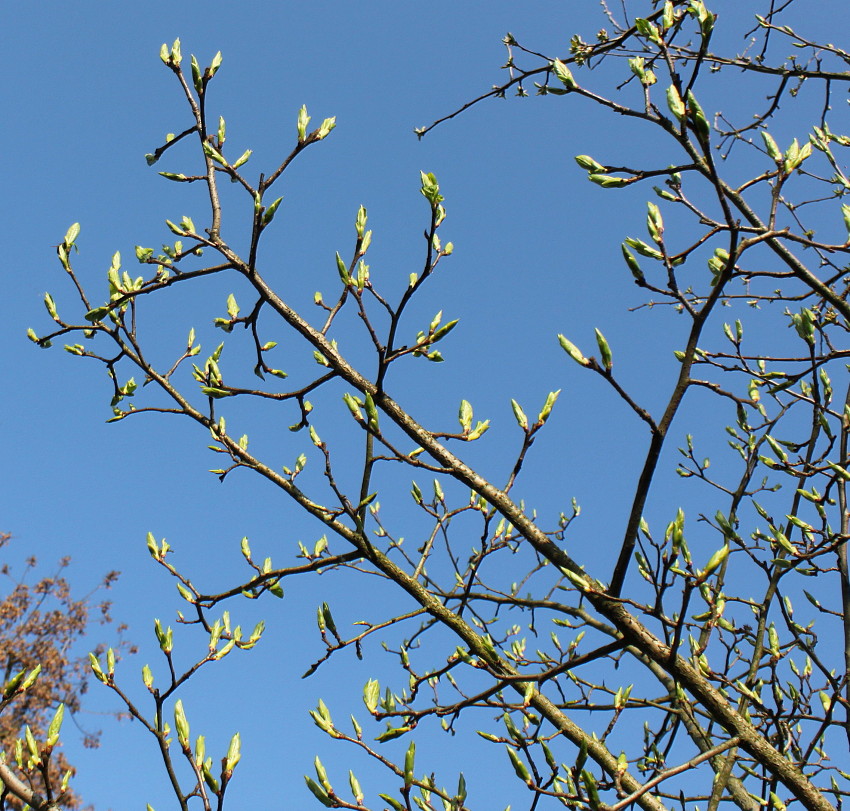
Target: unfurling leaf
[[562, 72], [465, 415], [675, 103], [71, 235], [372, 695]]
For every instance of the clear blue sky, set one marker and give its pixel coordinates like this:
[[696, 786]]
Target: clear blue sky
[[537, 253]]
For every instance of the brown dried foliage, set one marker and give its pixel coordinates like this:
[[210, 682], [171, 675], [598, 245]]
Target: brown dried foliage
[[40, 623]]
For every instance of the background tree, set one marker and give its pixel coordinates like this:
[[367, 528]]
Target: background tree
[[41, 624], [683, 676]]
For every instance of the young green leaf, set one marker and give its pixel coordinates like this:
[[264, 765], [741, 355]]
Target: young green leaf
[[675, 103], [563, 74]]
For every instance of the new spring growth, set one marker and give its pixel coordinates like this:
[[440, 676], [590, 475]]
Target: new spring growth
[[181, 725], [771, 146], [234, 754], [604, 351], [573, 351], [700, 122], [714, 563], [633, 265], [646, 75], [430, 189], [654, 223], [563, 74], [646, 29], [173, 57], [409, 759], [53, 729], [675, 103], [519, 415], [322, 132], [588, 163]]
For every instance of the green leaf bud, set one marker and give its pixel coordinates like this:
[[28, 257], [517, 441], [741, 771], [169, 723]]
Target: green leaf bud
[[268, 214], [32, 746], [654, 223], [551, 399], [325, 129], [303, 121], [714, 562], [243, 158], [342, 270], [318, 792], [465, 415], [633, 265], [519, 767], [605, 351], [479, 429], [353, 406], [181, 725], [211, 152], [609, 181], [573, 351], [409, 759], [234, 753], [196, 75], [519, 415], [356, 790], [643, 249], [586, 162], [55, 726], [701, 125], [772, 148], [96, 668]]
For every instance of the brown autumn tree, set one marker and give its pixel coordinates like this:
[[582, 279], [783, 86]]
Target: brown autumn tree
[[41, 623]]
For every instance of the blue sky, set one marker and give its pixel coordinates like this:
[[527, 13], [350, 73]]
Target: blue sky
[[537, 253]]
